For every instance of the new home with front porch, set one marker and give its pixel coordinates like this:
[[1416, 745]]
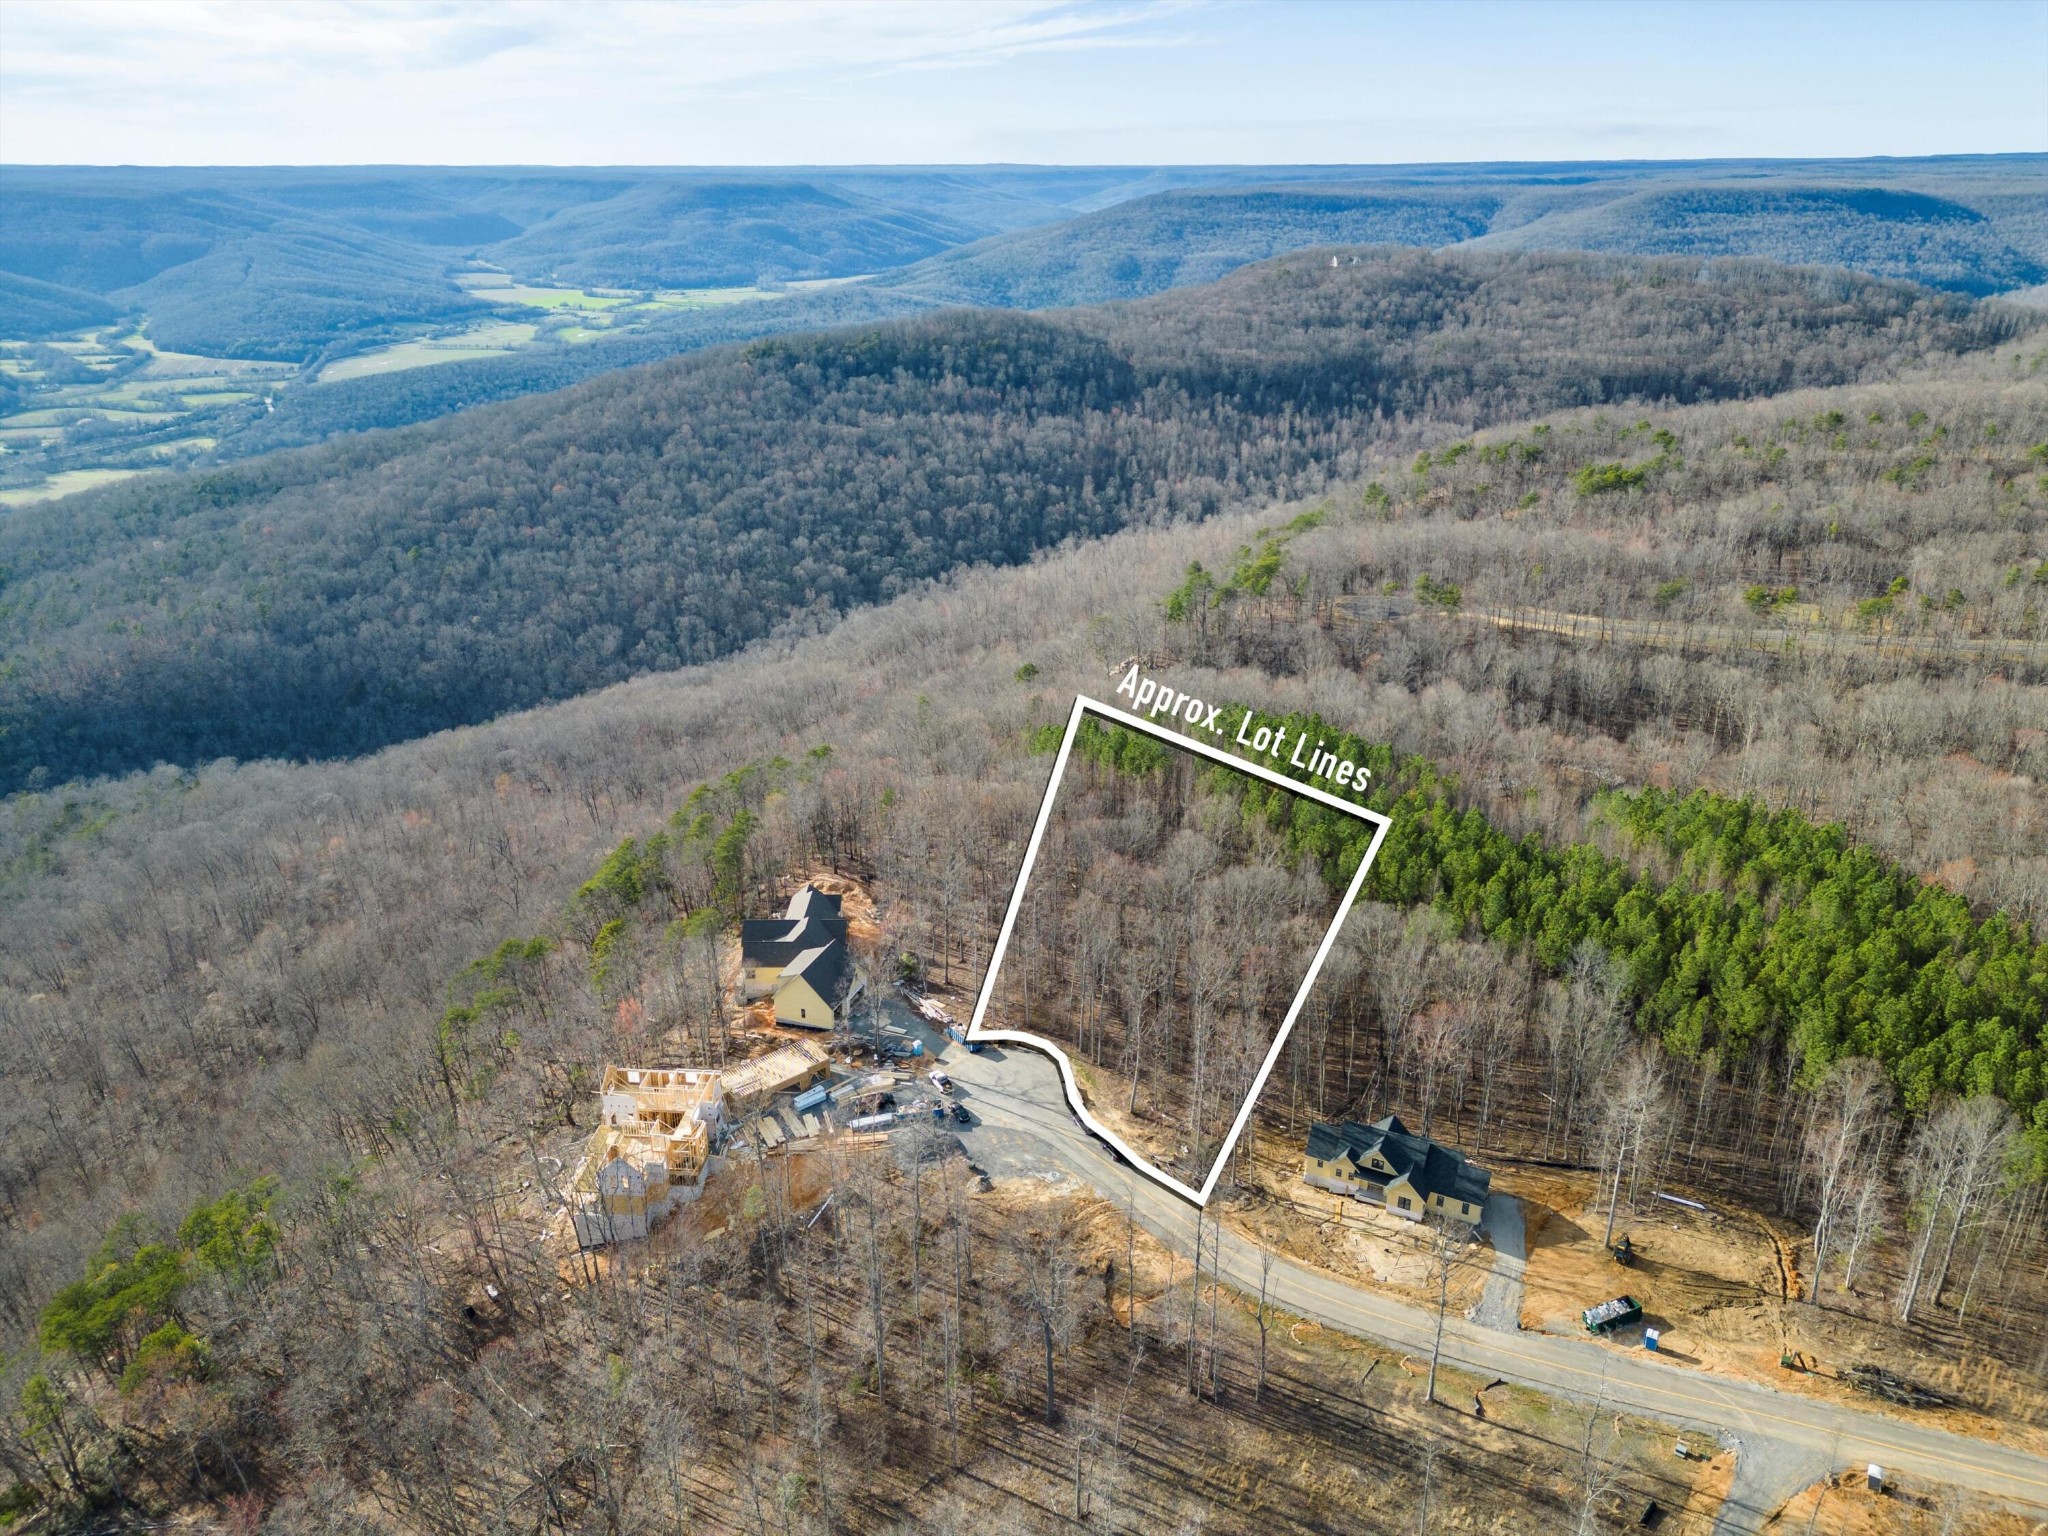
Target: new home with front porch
[[1387, 1164]]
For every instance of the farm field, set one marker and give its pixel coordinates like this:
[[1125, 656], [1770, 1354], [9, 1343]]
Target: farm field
[[109, 401], [500, 288], [490, 338], [98, 406], [64, 483], [619, 303]]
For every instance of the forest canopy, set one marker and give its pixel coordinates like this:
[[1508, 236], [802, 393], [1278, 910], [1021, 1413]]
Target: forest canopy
[[337, 600], [1774, 935]]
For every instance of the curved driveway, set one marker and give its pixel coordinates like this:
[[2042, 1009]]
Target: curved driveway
[[1024, 1127]]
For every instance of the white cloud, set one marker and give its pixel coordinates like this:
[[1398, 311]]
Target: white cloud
[[128, 77], [881, 81]]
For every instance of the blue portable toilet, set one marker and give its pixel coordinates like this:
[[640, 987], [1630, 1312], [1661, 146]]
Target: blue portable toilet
[[1650, 1339]]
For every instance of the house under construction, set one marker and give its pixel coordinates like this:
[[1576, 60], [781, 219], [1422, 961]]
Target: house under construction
[[649, 1154], [786, 1069], [658, 1131]]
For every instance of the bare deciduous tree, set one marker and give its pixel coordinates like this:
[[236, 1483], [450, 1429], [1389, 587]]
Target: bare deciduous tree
[[1848, 1123], [1633, 1110], [1043, 1256]]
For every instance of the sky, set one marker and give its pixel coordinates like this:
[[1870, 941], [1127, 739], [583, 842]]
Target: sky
[[1130, 82]]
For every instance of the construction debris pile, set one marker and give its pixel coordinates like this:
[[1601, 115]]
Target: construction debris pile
[[1892, 1387]]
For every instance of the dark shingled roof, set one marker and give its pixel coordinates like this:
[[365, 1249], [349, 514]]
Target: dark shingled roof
[[1428, 1165], [812, 902], [827, 968], [778, 940]]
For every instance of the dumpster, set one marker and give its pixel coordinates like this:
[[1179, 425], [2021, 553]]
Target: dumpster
[[1618, 1312]]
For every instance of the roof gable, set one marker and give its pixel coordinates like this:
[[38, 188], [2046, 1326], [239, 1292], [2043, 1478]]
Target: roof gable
[[778, 940], [825, 969], [812, 902], [1429, 1167]]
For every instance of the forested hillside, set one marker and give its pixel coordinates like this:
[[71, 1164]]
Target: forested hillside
[[1161, 939], [1709, 729], [337, 600], [1179, 238], [36, 309], [1891, 232], [284, 262], [728, 233], [366, 286], [303, 417], [222, 273]]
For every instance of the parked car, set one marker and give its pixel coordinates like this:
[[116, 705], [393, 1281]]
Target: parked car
[[939, 1080], [960, 1115]]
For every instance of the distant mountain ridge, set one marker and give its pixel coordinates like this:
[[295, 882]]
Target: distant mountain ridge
[[1885, 231], [275, 262], [330, 601], [1174, 239], [306, 267]]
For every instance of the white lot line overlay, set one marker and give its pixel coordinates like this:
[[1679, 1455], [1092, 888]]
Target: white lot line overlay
[[975, 1032]]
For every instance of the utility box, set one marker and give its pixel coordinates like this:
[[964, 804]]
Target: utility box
[[1875, 1474]]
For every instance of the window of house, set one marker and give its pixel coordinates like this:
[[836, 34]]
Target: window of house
[[1404, 1204]]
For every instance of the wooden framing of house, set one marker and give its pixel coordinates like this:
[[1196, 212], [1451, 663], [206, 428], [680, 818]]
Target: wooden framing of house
[[786, 1069], [650, 1151]]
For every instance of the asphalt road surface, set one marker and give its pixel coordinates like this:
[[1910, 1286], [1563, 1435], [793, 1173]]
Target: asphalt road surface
[[1024, 1127]]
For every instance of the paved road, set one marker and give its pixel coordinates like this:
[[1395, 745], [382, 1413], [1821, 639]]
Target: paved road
[[1023, 1126]]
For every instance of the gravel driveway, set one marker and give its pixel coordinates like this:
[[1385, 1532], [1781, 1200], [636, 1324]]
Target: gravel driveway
[[1501, 1306]]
